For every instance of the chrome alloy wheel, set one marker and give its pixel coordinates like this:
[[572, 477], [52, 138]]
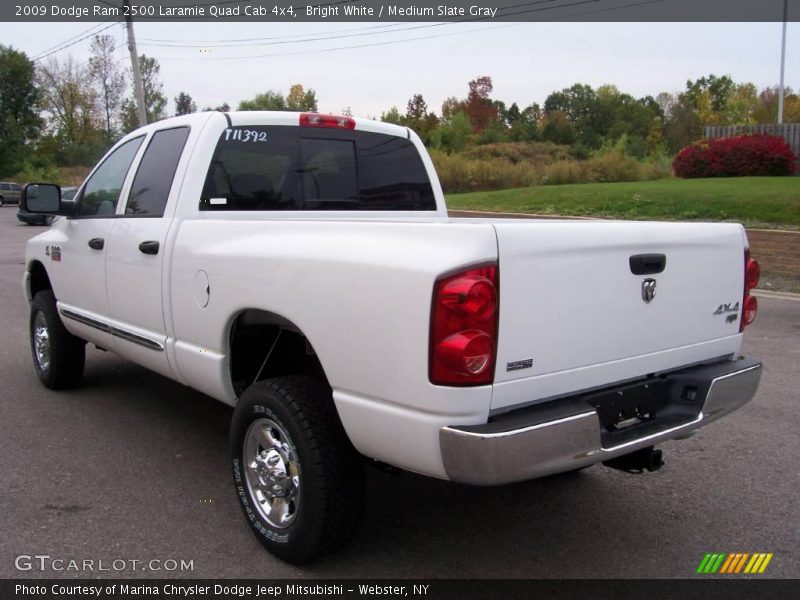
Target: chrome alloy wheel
[[41, 341], [273, 472]]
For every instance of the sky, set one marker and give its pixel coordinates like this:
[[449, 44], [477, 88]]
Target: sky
[[526, 61]]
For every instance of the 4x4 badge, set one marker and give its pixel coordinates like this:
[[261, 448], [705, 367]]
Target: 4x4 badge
[[648, 290]]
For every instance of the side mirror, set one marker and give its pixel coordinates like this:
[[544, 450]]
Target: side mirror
[[42, 198]]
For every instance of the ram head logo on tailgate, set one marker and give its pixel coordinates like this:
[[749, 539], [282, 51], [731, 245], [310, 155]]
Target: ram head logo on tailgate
[[648, 290]]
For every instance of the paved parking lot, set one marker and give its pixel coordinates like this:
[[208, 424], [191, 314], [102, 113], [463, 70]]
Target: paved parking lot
[[132, 466]]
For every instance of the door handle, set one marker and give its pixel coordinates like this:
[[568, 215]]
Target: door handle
[[647, 264], [97, 243], [149, 247]]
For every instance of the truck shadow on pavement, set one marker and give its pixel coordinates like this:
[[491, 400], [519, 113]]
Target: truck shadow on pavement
[[413, 526]]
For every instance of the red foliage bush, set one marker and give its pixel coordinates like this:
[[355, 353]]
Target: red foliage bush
[[735, 157]]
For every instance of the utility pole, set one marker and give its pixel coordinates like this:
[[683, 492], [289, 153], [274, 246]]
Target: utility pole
[[783, 61], [137, 74]]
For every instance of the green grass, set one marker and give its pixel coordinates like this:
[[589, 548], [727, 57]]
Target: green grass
[[772, 202]]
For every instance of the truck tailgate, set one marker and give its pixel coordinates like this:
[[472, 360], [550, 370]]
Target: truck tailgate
[[573, 315]]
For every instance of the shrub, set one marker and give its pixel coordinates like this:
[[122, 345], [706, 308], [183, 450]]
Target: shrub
[[37, 173], [607, 167], [516, 152], [735, 157], [482, 169], [459, 173], [49, 173]]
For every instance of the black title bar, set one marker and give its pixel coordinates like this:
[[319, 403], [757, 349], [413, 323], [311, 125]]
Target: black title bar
[[431, 589], [287, 11]]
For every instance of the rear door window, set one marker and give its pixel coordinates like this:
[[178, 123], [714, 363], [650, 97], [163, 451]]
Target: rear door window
[[294, 168], [153, 180]]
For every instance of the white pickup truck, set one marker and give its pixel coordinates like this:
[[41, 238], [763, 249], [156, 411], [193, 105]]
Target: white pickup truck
[[302, 268]]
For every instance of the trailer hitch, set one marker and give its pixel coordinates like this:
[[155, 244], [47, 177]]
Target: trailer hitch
[[646, 459]]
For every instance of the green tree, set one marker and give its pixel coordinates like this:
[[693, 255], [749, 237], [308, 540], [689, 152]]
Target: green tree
[[525, 124], [450, 107], [393, 116], [454, 135], [107, 75], [710, 93], [300, 99], [224, 107], [416, 110], [513, 114], [684, 125], [742, 104], [666, 102], [419, 119], [559, 129], [269, 100], [576, 102], [19, 123], [71, 109], [766, 110], [184, 105], [155, 102]]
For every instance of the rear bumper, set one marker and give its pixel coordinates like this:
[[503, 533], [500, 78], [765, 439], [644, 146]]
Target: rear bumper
[[568, 434]]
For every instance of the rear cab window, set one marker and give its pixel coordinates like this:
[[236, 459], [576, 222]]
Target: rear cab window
[[281, 167]]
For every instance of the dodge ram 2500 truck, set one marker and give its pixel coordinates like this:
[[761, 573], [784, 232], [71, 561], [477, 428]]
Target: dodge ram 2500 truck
[[302, 268]]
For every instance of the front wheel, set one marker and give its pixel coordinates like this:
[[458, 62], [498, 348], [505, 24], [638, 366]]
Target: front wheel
[[58, 356], [298, 479]]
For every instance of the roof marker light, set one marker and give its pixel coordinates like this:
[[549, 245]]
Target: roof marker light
[[330, 121]]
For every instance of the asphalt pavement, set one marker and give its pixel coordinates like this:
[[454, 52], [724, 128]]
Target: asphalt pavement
[[133, 467]]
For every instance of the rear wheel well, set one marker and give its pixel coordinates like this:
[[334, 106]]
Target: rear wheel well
[[39, 280], [265, 345]]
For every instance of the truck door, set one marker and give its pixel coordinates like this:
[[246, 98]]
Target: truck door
[[135, 254], [78, 263]]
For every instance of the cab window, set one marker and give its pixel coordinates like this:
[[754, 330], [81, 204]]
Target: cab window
[[272, 168], [102, 190], [153, 181]]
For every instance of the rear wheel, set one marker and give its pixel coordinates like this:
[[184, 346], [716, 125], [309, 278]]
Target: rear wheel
[[298, 479], [58, 356]]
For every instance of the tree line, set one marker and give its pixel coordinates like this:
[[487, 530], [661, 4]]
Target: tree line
[[64, 112], [587, 119]]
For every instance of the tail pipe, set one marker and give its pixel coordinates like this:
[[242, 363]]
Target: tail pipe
[[646, 459]]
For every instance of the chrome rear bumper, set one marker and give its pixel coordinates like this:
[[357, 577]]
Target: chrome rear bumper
[[567, 434]]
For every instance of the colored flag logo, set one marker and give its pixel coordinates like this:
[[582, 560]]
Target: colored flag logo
[[734, 563]]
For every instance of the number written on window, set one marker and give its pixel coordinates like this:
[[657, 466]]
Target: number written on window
[[238, 134]]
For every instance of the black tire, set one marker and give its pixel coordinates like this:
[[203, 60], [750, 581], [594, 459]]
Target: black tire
[[325, 508], [66, 353], [1, 201]]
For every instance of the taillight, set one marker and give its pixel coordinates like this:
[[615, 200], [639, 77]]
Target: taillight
[[333, 121], [752, 273], [463, 340], [749, 310]]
